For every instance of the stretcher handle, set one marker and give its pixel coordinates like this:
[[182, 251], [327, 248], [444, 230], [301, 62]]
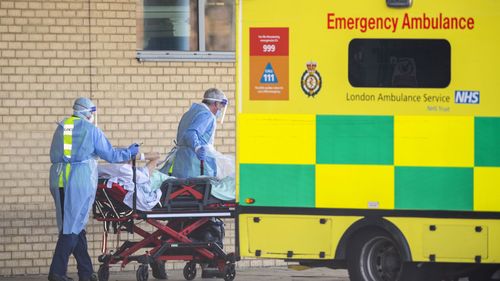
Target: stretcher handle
[[134, 180], [202, 167]]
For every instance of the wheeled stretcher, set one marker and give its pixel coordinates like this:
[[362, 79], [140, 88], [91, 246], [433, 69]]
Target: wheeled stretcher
[[187, 211]]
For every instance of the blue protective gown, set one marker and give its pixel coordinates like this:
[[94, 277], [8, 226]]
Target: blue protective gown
[[89, 143], [197, 127]]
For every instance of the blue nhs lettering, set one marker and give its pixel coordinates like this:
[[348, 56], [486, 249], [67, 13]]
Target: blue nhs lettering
[[467, 97]]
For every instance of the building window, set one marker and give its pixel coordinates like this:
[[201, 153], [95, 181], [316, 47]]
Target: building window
[[399, 63], [186, 30]]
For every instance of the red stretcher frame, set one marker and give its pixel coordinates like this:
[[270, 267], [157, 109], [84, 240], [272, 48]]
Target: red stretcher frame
[[170, 240]]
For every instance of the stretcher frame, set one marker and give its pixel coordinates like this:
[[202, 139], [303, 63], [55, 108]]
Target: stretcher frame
[[170, 240]]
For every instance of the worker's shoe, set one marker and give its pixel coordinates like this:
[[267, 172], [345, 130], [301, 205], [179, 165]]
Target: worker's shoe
[[55, 277], [92, 277], [210, 271], [159, 271]]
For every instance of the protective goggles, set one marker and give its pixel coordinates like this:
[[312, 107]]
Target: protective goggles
[[91, 109], [222, 101]]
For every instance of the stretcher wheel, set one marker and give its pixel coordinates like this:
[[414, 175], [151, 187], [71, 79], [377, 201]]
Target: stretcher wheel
[[103, 272], [142, 273], [189, 271], [229, 272]]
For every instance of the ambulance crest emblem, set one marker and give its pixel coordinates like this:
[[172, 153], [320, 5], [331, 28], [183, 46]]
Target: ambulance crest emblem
[[311, 80]]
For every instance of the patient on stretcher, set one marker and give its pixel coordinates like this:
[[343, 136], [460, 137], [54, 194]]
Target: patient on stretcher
[[149, 181]]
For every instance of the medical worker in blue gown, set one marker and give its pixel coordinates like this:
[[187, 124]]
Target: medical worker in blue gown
[[196, 131], [76, 145]]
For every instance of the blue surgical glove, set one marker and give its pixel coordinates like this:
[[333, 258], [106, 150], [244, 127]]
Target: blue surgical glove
[[134, 149], [201, 153]]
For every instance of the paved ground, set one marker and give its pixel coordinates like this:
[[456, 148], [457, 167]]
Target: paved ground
[[252, 274]]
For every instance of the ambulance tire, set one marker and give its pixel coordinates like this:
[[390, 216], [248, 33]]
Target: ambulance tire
[[373, 255]]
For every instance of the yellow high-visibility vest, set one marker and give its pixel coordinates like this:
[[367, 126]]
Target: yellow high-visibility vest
[[69, 124]]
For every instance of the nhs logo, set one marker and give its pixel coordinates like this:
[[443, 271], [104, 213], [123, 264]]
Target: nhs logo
[[467, 97]]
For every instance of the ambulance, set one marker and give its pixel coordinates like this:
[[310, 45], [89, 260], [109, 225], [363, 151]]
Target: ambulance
[[368, 136]]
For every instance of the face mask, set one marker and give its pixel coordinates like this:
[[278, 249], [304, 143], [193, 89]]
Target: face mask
[[218, 114], [93, 118]]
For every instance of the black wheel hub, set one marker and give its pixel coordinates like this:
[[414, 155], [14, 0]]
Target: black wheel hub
[[380, 260]]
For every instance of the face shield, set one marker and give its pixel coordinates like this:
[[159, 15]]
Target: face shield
[[93, 119], [223, 103]]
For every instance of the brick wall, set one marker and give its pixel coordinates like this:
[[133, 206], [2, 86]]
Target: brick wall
[[54, 51]]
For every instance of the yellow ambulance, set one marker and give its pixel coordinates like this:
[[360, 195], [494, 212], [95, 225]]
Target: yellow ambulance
[[368, 136]]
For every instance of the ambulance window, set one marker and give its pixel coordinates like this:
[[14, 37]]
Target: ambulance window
[[399, 63]]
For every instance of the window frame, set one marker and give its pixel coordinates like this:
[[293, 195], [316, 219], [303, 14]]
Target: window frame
[[200, 55]]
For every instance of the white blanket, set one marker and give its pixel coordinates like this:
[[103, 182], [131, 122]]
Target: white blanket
[[122, 175]]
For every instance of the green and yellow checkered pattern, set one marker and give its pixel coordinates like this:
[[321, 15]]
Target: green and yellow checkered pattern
[[385, 162]]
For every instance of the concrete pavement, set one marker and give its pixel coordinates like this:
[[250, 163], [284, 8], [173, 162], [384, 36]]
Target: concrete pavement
[[242, 274]]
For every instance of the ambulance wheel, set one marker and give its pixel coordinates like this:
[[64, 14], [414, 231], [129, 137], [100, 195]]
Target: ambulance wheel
[[103, 273], [229, 272], [189, 271], [373, 255], [142, 273]]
